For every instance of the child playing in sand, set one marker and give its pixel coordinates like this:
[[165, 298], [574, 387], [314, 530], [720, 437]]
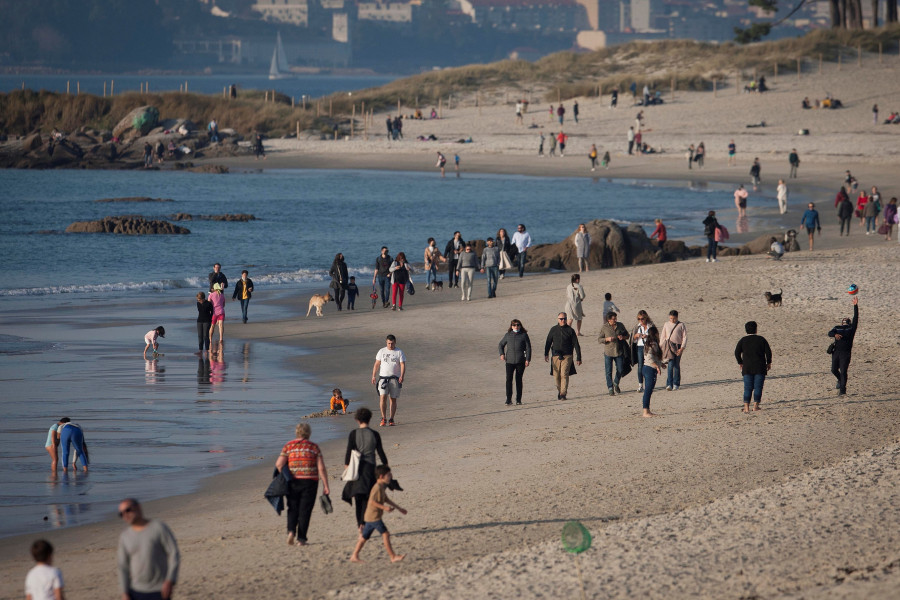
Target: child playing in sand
[[151, 337], [337, 399], [352, 293], [43, 582], [609, 305], [378, 503]]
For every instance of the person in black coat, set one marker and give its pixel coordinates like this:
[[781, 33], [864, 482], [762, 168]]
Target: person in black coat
[[515, 351], [452, 250], [843, 336], [710, 224], [217, 276], [367, 442], [339, 279], [204, 321], [242, 291], [754, 357]]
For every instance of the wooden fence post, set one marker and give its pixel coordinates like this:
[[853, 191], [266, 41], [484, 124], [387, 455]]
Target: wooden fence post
[[352, 121], [112, 87], [298, 130], [77, 87], [67, 87], [104, 89]]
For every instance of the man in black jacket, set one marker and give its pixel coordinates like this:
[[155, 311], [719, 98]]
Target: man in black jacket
[[217, 276], [563, 341], [383, 275], [843, 336], [754, 357], [452, 250], [242, 291]]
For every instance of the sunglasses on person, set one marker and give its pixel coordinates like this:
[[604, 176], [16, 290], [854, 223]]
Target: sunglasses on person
[[560, 318], [130, 509]]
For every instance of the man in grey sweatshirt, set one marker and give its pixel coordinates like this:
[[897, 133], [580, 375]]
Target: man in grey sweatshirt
[[465, 270], [148, 556], [490, 264]]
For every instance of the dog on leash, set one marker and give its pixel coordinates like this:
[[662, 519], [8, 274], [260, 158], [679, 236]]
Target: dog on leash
[[318, 300], [437, 285], [774, 299]]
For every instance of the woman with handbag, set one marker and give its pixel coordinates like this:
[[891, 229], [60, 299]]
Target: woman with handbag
[[503, 242], [304, 460], [399, 278], [367, 443]]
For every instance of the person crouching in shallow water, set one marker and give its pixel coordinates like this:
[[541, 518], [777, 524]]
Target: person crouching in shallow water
[[754, 357]]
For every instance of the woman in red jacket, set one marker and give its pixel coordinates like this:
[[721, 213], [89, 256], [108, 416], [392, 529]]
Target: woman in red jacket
[[660, 232]]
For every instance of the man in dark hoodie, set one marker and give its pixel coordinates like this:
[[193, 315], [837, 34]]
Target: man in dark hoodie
[[843, 336]]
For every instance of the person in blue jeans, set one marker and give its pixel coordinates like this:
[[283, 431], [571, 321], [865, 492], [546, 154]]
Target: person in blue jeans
[[754, 357], [614, 338], [522, 240], [71, 434], [382, 276], [242, 291], [710, 224], [490, 264], [674, 339], [652, 361]]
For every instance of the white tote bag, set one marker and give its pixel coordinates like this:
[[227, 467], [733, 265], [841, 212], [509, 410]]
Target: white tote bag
[[351, 471]]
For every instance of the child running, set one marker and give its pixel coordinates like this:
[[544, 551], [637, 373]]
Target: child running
[[151, 339], [337, 399], [378, 503], [44, 581]]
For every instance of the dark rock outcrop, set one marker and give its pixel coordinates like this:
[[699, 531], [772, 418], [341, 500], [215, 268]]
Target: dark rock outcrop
[[134, 199], [126, 225], [189, 166], [226, 217]]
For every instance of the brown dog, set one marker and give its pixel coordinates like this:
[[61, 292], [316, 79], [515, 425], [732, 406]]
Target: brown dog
[[774, 299], [318, 300]]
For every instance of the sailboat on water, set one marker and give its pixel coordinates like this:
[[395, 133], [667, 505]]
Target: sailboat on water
[[279, 68]]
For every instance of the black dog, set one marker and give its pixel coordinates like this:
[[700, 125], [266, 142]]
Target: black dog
[[437, 285], [774, 299]]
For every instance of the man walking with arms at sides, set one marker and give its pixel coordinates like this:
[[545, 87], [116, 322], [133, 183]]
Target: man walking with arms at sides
[[562, 342], [217, 276], [673, 341], [382, 275], [754, 357], [810, 220], [148, 556], [522, 240], [490, 264], [465, 270], [452, 251], [611, 333], [843, 336], [387, 377], [242, 291], [794, 161]]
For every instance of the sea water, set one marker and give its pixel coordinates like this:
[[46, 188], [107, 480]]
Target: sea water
[[74, 307]]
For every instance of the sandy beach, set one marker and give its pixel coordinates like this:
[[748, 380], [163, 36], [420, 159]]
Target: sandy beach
[[795, 501]]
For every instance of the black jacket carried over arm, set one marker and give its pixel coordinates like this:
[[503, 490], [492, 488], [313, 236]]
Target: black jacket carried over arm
[[753, 354], [847, 332], [563, 341]]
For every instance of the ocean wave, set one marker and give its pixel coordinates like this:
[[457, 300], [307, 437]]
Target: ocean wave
[[278, 279]]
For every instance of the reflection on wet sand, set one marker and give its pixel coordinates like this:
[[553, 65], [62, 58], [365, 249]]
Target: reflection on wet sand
[[153, 372], [203, 371], [217, 364]]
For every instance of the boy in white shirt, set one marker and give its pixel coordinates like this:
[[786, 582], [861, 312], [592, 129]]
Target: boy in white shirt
[[44, 581]]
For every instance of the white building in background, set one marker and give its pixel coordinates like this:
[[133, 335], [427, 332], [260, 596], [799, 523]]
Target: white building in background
[[644, 14], [391, 12], [340, 27], [295, 12]]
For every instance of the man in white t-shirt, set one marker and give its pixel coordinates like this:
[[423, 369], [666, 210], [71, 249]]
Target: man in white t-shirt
[[522, 240], [387, 376], [44, 581]]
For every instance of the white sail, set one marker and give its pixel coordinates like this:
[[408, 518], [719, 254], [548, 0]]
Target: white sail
[[279, 68]]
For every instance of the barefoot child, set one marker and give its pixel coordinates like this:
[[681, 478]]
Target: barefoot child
[[151, 337], [378, 503], [337, 399], [43, 582]]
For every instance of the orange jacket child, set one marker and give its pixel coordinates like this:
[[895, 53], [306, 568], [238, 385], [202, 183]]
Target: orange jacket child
[[338, 400]]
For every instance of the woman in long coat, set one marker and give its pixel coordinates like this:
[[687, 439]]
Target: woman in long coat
[[574, 296], [582, 247]]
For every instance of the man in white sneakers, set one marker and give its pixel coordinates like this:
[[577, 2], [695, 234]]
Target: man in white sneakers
[[387, 377]]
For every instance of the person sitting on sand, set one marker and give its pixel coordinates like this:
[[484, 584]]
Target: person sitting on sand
[[378, 503], [337, 399], [151, 339], [776, 250], [806, 105]]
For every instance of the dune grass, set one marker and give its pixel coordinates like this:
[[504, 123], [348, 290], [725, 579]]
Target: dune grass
[[564, 75]]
